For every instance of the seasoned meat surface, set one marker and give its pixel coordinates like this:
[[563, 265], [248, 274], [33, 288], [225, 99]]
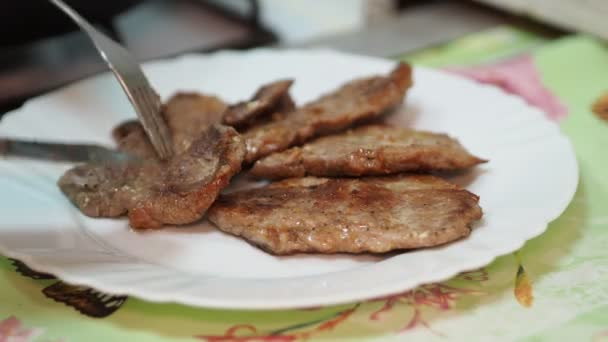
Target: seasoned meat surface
[[154, 193], [353, 102], [283, 108], [330, 215], [367, 150], [270, 98]]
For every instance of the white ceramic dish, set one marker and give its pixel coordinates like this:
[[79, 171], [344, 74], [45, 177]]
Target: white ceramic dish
[[530, 179]]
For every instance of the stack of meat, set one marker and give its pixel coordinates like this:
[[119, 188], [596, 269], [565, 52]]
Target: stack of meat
[[341, 180]]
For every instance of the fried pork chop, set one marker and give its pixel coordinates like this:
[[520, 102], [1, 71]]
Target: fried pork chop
[[325, 215], [154, 193], [355, 101], [269, 99], [367, 150]]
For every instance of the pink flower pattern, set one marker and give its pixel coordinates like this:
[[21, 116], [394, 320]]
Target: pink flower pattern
[[251, 333], [600, 336], [12, 330], [438, 296], [518, 76]]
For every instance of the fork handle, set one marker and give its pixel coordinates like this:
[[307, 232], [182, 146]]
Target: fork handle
[[74, 16]]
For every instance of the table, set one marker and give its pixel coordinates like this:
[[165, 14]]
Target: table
[[554, 288]]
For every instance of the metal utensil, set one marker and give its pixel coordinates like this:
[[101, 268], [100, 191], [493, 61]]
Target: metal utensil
[[62, 152], [144, 99]]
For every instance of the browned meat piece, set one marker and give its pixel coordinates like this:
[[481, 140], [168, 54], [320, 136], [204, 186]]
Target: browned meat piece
[[192, 181], [367, 150], [124, 129], [153, 193], [131, 138], [273, 97], [353, 102], [156, 193], [284, 107], [187, 115], [600, 107], [325, 215]]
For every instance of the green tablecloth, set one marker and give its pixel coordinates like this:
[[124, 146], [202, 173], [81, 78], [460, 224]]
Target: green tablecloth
[[555, 288]]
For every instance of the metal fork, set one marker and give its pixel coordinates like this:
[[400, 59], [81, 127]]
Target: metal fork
[[144, 99]]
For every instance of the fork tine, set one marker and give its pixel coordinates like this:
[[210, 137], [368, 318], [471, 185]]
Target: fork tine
[[150, 111], [150, 116], [156, 117]]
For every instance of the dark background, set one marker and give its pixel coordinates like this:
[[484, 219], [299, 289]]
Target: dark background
[[41, 48]]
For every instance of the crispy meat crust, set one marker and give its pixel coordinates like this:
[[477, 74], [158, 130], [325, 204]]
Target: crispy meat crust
[[368, 150], [270, 98], [154, 193], [325, 215], [354, 102]]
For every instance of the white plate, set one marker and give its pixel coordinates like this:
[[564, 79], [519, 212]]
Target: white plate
[[529, 181]]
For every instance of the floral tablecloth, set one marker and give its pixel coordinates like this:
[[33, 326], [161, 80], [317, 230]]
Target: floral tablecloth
[[554, 288]]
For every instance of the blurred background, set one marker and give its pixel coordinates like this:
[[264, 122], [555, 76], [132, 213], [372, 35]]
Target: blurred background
[[41, 49]]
